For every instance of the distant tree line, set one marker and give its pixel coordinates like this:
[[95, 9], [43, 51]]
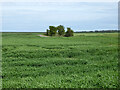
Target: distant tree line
[[60, 30], [102, 31], [106, 31]]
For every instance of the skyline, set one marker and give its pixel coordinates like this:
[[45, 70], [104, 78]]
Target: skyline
[[37, 17]]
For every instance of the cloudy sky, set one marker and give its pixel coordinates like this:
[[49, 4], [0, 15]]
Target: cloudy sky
[[38, 16]]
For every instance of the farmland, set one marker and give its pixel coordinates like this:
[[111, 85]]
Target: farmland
[[86, 60]]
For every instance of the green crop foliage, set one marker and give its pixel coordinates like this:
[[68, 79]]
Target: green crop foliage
[[86, 60]]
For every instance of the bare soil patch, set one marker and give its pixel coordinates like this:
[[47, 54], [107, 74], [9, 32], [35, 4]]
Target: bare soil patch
[[42, 36]]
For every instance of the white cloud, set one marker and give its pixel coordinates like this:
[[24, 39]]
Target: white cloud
[[59, 0]]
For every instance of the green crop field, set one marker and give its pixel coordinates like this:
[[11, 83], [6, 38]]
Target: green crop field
[[86, 60]]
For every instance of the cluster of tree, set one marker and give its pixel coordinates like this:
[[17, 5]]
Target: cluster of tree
[[60, 30]]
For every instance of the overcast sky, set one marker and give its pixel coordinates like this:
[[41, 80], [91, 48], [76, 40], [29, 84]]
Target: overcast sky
[[59, 0], [38, 16]]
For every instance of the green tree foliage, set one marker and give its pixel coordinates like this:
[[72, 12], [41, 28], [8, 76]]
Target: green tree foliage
[[61, 30], [69, 32], [48, 32], [53, 30]]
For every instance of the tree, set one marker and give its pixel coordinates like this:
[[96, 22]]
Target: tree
[[69, 32], [53, 30], [61, 30], [48, 32]]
